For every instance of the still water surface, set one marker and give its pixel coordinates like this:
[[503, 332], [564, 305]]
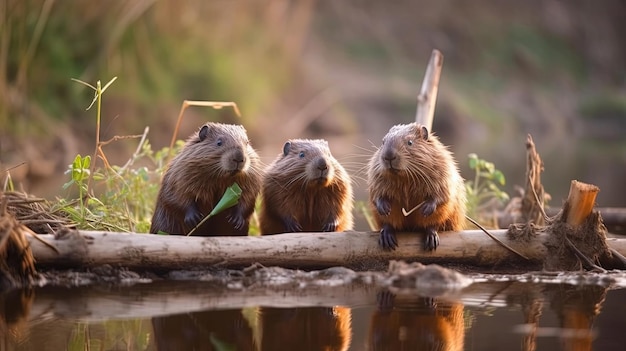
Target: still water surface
[[509, 315]]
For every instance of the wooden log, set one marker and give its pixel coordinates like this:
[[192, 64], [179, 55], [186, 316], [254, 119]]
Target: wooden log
[[357, 250]]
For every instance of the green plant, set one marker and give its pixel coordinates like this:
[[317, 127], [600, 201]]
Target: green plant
[[118, 198], [484, 189], [79, 173], [121, 198]]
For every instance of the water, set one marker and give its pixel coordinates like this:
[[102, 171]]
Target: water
[[496, 313]]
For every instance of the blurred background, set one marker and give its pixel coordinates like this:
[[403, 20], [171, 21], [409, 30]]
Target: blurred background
[[341, 70]]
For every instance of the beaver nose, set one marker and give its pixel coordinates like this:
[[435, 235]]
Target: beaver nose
[[389, 155], [238, 156], [321, 164]]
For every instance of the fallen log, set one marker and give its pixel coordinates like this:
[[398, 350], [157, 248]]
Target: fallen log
[[357, 250], [550, 247]]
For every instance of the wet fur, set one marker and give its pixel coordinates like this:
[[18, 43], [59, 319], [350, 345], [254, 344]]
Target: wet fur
[[423, 172], [295, 199], [197, 178]]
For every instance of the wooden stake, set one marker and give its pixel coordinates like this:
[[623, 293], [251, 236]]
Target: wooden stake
[[427, 97]]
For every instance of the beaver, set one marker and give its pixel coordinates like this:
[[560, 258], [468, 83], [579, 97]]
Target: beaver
[[413, 169], [212, 159], [305, 189]]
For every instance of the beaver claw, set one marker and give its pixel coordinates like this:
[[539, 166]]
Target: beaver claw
[[330, 226], [291, 225], [237, 220], [387, 239], [431, 241], [429, 207], [193, 216], [383, 206]]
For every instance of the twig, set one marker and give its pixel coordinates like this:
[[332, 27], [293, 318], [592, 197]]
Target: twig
[[405, 213], [135, 155], [54, 248], [218, 105], [582, 256], [496, 239]]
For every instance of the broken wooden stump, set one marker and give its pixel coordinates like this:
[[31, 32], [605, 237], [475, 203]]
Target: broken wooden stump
[[576, 235]]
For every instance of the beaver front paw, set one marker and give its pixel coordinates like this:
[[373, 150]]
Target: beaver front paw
[[429, 207], [387, 239], [431, 241], [193, 216], [383, 206], [331, 226], [291, 225], [237, 219]]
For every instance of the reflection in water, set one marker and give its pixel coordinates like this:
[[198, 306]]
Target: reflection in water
[[501, 315], [207, 330], [576, 307], [14, 308], [304, 329], [416, 323]]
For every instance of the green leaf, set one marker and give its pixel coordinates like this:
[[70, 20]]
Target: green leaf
[[229, 199], [489, 167], [68, 184], [86, 162], [473, 161], [84, 83], [77, 162], [498, 176], [107, 85]]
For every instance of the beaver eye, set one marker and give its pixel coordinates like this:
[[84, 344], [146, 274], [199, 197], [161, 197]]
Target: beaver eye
[[301, 154], [219, 142], [410, 142]]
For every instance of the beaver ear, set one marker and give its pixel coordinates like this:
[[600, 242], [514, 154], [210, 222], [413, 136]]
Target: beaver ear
[[286, 148], [424, 133], [203, 133]]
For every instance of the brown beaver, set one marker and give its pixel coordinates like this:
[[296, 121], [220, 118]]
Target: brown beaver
[[212, 159], [305, 189], [413, 168]]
